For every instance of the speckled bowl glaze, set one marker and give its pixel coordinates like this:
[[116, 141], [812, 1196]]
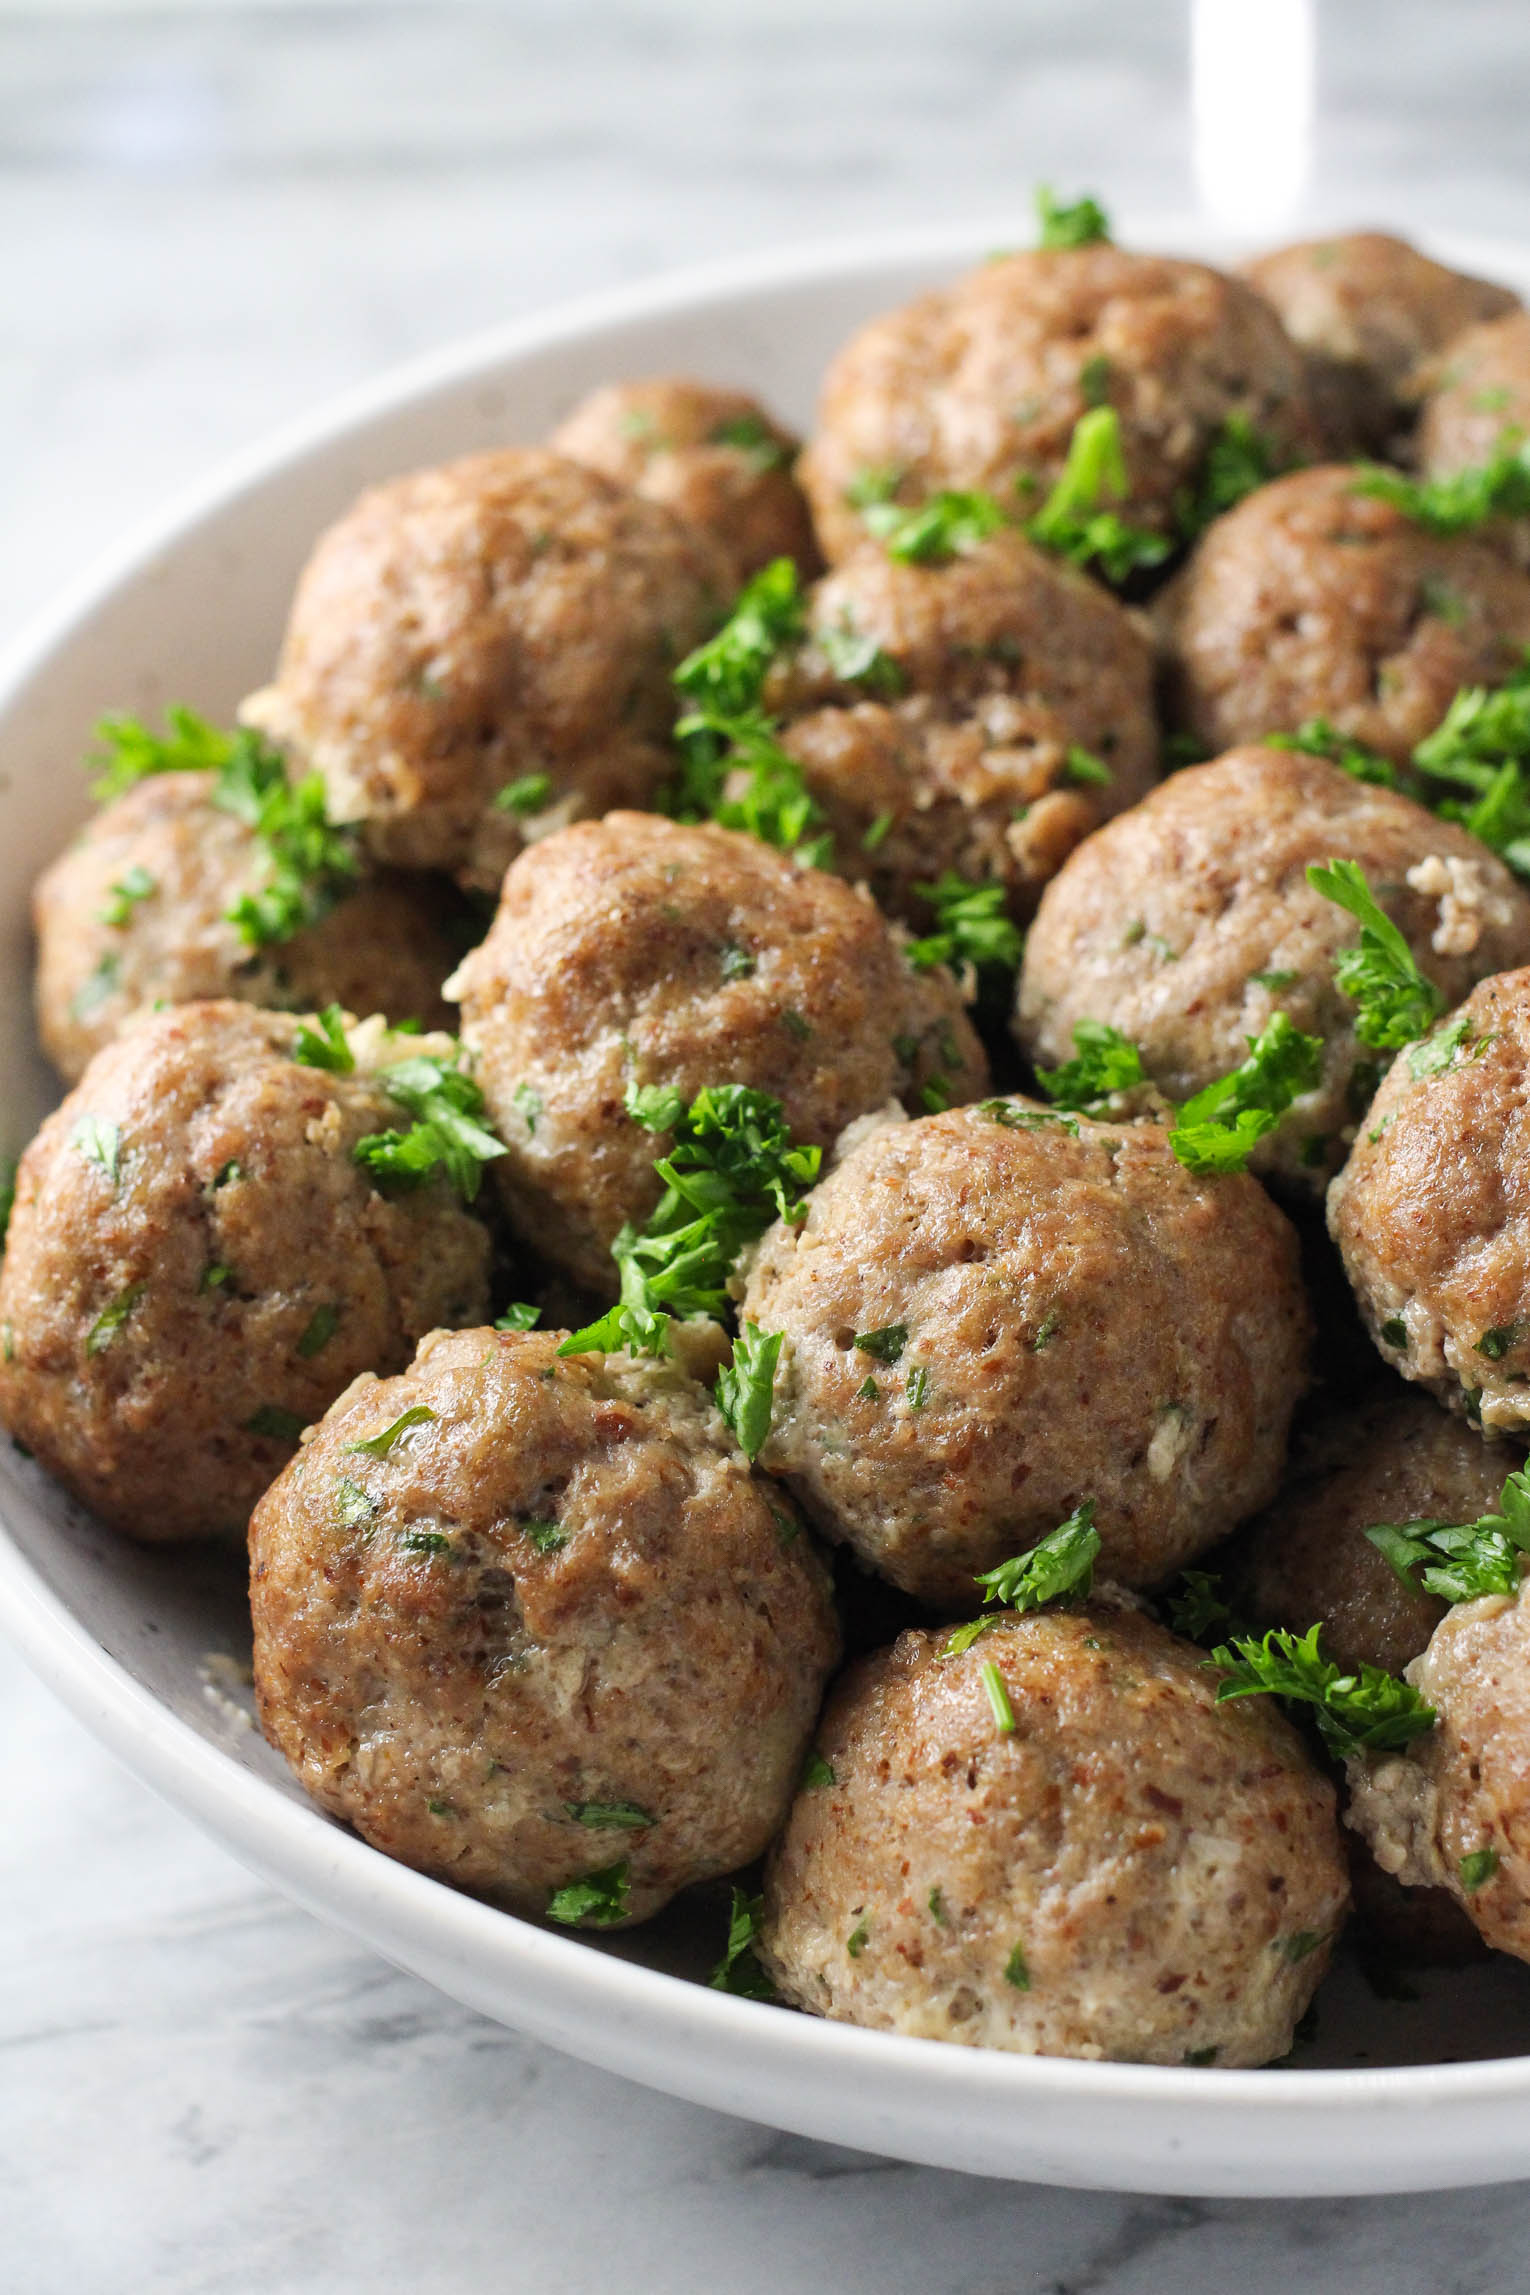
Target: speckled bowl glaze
[[148, 1648]]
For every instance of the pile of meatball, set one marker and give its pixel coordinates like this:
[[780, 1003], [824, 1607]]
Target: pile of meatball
[[531, 1620]]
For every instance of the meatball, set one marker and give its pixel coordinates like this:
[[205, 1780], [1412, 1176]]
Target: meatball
[[197, 1266], [988, 676], [136, 913], [1131, 1870], [713, 456], [1367, 307], [1311, 599], [981, 383], [1452, 1811], [1189, 923], [477, 649], [1432, 1211], [524, 1621], [1395, 1458], [633, 951], [1470, 397], [994, 1315]]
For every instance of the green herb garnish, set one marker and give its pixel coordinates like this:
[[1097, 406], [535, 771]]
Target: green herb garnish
[[111, 1319], [1073, 522], [445, 1135], [379, 1445], [1395, 1002], [134, 885], [610, 1816], [739, 1970], [599, 1898], [1365, 1712], [1104, 1063], [325, 1046], [530, 794], [1081, 222], [1460, 1561], [100, 1143], [745, 1390], [971, 926]]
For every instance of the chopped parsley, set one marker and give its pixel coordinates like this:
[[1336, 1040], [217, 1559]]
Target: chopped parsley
[[885, 1344], [1080, 222], [1197, 1610], [1103, 1064], [98, 986], [1083, 770], [1395, 1002], [279, 1425], [868, 1391], [1477, 1869], [1072, 521], [1317, 737], [134, 885], [322, 1326], [1481, 747], [859, 660], [858, 1939], [1060, 1566], [731, 1170], [445, 1135], [971, 926], [522, 1316], [816, 1772], [745, 1390], [1365, 1712], [527, 1103], [546, 1537], [379, 1445], [111, 1319], [127, 752], [1458, 1562], [949, 525], [917, 1387], [610, 1816], [100, 1143], [751, 435], [726, 676], [530, 794], [325, 1046], [353, 1504], [1216, 1129], [1239, 459], [599, 1898], [1435, 1055], [1016, 1971], [739, 1970], [998, 1697], [424, 1542], [1497, 488], [1394, 1333]]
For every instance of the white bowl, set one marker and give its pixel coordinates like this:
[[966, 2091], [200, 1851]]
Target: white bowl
[[1400, 2097]]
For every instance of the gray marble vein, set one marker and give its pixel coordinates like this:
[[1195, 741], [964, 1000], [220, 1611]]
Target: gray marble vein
[[210, 216]]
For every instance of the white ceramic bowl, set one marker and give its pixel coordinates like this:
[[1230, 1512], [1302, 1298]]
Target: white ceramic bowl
[[1399, 2096]]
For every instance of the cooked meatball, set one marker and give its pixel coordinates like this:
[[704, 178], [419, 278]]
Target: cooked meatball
[[1475, 392], [197, 1265], [135, 914], [633, 951], [1432, 1210], [1313, 600], [474, 628], [523, 1620], [1368, 307], [713, 456], [1189, 923], [1452, 1811], [957, 746], [993, 1315], [1131, 1871], [981, 383], [1396, 1458]]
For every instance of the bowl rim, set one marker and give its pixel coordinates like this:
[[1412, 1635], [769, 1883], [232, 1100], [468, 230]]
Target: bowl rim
[[616, 2006]]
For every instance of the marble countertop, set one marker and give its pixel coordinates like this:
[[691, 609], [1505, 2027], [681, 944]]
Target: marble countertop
[[209, 217]]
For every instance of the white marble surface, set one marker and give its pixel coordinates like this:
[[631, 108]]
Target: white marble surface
[[208, 217]]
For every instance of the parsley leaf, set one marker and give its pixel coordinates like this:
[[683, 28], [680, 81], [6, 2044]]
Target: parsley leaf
[[127, 752], [972, 926], [522, 1316], [885, 1344], [949, 525], [325, 1046], [310, 862], [1216, 1128], [1366, 1712], [528, 795], [1396, 1003], [111, 1319], [599, 1898], [99, 1143], [1477, 1869], [446, 1133], [1081, 222], [859, 660], [1104, 1063], [134, 884], [1198, 1610], [1482, 747], [1460, 1561], [1071, 521], [1062, 1564], [1317, 737], [379, 1445], [998, 1697], [612, 1816], [727, 674], [745, 1391], [1239, 459], [739, 1970], [323, 1323], [751, 434], [1497, 488], [276, 1424]]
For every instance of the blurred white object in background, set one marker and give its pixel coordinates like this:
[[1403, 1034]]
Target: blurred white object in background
[[1252, 95]]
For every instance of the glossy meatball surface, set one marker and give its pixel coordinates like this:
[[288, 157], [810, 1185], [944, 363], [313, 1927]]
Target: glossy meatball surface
[[1189, 923], [980, 384], [713, 456], [136, 913], [471, 628], [1312, 599], [635, 951], [550, 1626], [958, 745], [994, 1315], [196, 1265], [1132, 1872], [1432, 1211]]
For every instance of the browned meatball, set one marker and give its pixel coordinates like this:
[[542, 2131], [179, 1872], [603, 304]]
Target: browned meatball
[[1396, 1458], [1470, 398], [633, 951], [135, 913], [523, 1621], [1189, 923], [713, 456], [993, 1315], [480, 626], [1453, 1811], [1368, 307], [1313, 600], [958, 746], [981, 383], [197, 1265], [1432, 1210], [1131, 1870]]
